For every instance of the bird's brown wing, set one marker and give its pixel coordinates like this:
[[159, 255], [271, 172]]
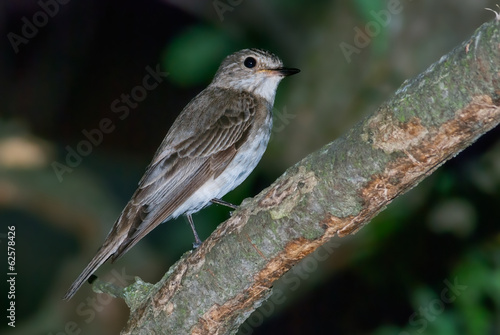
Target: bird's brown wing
[[172, 179], [194, 150]]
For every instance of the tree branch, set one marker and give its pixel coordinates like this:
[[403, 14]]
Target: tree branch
[[334, 191]]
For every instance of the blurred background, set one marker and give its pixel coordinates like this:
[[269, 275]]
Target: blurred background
[[78, 126]]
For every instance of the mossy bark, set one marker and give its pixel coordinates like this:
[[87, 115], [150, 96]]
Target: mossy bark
[[334, 191]]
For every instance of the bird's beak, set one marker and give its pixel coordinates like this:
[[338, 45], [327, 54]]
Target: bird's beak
[[282, 71], [287, 71]]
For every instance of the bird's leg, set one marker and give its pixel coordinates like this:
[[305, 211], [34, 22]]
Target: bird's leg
[[197, 241], [224, 203]]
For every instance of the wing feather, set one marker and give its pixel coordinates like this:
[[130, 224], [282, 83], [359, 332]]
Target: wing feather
[[182, 165]]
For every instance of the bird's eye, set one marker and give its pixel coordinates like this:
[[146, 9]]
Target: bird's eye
[[250, 62]]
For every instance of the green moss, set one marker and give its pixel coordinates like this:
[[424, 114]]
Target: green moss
[[312, 232], [136, 293], [274, 227], [401, 117]]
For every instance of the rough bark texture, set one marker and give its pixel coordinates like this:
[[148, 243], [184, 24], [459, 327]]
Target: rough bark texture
[[334, 191]]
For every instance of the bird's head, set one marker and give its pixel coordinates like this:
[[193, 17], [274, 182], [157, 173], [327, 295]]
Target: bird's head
[[253, 70]]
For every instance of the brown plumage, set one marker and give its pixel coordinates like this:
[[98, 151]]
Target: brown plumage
[[210, 149]]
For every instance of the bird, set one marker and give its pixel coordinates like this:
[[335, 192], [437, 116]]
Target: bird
[[211, 148]]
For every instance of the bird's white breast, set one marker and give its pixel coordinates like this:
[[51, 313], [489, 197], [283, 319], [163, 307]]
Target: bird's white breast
[[243, 163]]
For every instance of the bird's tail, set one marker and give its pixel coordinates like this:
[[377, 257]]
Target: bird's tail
[[102, 255]]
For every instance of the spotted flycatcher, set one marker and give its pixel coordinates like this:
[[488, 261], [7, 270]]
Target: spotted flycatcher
[[213, 145]]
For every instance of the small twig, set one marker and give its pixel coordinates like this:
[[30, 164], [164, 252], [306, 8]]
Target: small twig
[[497, 14], [99, 286]]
